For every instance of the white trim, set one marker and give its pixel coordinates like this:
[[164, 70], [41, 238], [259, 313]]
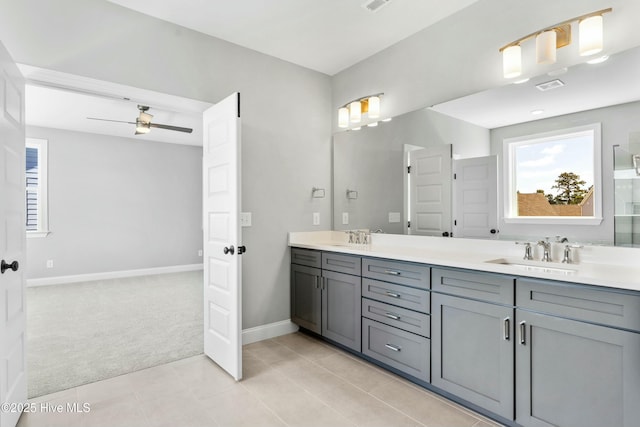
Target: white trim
[[46, 281], [270, 330], [37, 234]]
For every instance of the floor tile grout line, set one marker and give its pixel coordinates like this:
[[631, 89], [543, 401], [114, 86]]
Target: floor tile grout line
[[392, 377]]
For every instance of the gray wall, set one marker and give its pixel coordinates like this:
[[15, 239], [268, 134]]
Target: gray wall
[[286, 115], [117, 204], [371, 161], [459, 55], [618, 122]]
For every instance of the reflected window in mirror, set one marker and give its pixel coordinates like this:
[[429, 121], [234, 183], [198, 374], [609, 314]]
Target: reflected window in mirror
[[554, 177]]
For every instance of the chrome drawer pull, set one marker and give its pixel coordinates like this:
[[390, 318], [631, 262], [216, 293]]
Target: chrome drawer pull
[[391, 294], [392, 316], [392, 272], [507, 328], [523, 333], [392, 347]]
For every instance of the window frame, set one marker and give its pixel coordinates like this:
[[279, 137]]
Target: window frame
[[41, 145], [509, 185]]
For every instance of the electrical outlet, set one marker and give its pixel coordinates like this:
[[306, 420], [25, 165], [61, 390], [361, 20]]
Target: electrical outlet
[[345, 218], [316, 218], [49, 263], [199, 252]]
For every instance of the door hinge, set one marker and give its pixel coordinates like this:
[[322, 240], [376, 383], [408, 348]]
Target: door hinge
[[455, 222], [454, 176], [408, 169]]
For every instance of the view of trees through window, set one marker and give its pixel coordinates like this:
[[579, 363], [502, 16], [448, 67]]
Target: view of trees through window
[[554, 176]]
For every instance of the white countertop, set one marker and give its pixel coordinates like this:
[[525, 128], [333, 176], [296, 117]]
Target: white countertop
[[595, 265]]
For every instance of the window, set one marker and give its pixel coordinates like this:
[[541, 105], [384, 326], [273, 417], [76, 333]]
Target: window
[[36, 188], [554, 178]]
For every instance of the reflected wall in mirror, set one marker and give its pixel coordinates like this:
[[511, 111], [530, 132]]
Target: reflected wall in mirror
[[627, 192], [605, 93], [370, 183]]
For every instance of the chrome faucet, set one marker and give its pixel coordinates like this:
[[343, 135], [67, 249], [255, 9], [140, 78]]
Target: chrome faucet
[[546, 247], [567, 253], [527, 250]]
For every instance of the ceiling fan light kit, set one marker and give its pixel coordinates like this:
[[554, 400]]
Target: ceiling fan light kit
[[143, 122]]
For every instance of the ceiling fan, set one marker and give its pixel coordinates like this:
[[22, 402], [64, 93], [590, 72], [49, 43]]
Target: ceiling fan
[[143, 122]]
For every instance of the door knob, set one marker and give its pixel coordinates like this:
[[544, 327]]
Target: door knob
[[241, 250], [229, 250], [4, 266]]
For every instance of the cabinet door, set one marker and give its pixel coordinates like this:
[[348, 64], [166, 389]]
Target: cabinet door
[[575, 374], [306, 297], [472, 351], [341, 309]]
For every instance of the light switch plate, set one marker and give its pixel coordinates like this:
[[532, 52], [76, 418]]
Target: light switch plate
[[316, 218], [345, 218], [245, 219], [394, 217]]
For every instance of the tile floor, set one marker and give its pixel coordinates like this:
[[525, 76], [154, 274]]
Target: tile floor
[[293, 380]]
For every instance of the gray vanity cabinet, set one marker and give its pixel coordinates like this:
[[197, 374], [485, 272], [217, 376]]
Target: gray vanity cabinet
[[325, 295], [570, 370], [306, 292], [472, 341]]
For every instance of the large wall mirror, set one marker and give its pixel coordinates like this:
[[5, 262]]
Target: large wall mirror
[[372, 189]]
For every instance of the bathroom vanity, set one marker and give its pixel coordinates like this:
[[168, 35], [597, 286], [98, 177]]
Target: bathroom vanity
[[524, 342]]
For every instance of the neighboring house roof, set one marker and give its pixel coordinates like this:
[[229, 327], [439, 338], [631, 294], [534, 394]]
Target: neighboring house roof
[[536, 204]]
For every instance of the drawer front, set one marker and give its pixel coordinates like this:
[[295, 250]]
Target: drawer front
[[307, 257], [410, 321], [474, 284], [580, 302], [404, 273], [401, 350], [348, 264], [402, 296]]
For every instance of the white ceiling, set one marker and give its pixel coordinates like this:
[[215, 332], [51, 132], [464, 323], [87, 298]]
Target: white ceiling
[[324, 35], [586, 87]]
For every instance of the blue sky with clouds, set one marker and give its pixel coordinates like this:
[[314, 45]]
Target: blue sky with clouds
[[538, 165]]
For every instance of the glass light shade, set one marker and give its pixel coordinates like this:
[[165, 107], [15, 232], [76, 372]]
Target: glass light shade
[[374, 107], [590, 35], [546, 47], [512, 61], [343, 117], [142, 127], [355, 112]]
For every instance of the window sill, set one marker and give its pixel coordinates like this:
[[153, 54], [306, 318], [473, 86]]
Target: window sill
[[37, 234], [565, 220]]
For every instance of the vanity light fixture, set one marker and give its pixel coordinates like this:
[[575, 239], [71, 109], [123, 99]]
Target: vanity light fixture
[[142, 127], [549, 39], [354, 111]]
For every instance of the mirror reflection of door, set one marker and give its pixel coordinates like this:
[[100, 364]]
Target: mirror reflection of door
[[429, 191], [627, 192], [475, 190]]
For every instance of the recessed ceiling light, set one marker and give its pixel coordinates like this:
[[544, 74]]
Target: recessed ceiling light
[[551, 84], [598, 60], [519, 82], [537, 112]]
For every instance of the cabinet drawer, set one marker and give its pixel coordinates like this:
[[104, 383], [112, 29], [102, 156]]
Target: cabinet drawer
[[474, 284], [404, 273], [411, 321], [307, 257], [402, 296], [404, 351], [348, 264], [580, 302]]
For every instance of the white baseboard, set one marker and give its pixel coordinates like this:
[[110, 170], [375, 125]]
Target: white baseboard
[[46, 281], [271, 330]]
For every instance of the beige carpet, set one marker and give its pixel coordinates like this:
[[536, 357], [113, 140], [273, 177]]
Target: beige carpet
[[85, 332]]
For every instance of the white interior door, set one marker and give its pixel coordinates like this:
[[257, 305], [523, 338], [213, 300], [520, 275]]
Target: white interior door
[[430, 187], [476, 197], [13, 378], [222, 235]]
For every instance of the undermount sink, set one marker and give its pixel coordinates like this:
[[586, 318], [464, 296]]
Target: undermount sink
[[533, 266]]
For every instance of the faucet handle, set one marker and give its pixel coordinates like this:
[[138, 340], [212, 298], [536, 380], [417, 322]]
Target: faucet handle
[[527, 250]]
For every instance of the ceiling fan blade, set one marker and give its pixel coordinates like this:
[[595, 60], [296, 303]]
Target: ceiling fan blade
[[109, 120], [169, 127]]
